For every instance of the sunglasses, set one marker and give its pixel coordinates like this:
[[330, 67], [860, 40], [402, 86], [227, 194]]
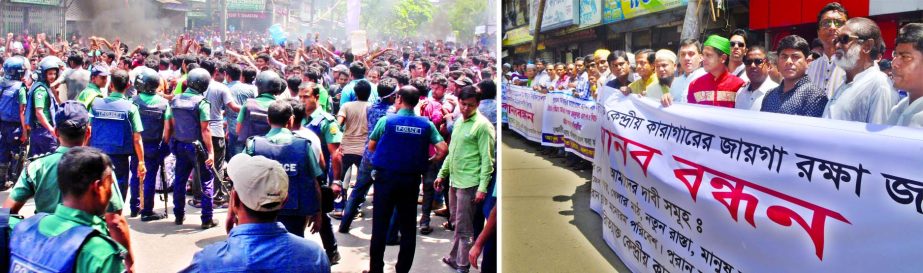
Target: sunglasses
[[834, 23], [749, 61], [845, 38], [738, 44]]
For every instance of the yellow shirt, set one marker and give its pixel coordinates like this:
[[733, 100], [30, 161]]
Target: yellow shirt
[[640, 85]]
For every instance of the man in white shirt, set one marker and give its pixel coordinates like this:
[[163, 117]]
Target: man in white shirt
[[867, 95], [822, 71], [690, 60], [907, 68], [750, 96]]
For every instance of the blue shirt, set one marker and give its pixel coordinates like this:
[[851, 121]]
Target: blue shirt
[[347, 94], [262, 247], [376, 111], [806, 99], [488, 108]]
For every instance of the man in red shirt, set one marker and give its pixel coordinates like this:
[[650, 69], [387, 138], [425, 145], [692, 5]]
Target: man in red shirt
[[718, 87]]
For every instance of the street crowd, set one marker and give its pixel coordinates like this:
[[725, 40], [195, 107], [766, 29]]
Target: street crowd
[[267, 130], [842, 75]]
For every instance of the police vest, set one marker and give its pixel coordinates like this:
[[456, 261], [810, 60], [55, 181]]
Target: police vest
[[404, 145], [316, 126], [32, 251], [186, 118], [5, 231], [302, 191], [9, 101], [151, 119], [111, 126], [30, 104], [256, 122]]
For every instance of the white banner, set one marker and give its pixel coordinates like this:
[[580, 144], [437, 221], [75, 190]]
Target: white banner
[[704, 189], [524, 109], [580, 123], [553, 119]]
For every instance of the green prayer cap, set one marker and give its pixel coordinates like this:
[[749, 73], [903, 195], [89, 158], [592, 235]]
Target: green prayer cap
[[719, 43]]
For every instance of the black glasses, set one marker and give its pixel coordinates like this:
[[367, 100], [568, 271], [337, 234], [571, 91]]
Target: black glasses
[[845, 38], [738, 44], [748, 61], [834, 23]]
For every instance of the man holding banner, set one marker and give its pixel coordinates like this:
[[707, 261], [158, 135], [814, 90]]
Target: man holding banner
[[717, 87], [797, 95]]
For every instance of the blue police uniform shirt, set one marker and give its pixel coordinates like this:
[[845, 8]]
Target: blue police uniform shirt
[[261, 247]]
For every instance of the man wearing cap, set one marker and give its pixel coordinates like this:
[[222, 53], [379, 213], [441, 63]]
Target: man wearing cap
[[717, 87], [908, 66], [399, 145], [40, 178], [256, 242], [99, 76], [74, 238], [190, 132], [296, 156]]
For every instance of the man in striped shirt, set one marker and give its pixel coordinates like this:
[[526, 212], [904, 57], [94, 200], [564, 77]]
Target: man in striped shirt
[[823, 72]]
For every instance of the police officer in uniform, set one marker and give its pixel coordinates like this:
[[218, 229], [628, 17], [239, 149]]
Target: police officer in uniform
[[251, 121], [41, 104], [300, 163], [399, 145], [326, 127], [39, 180], [116, 131], [155, 114], [12, 102], [74, 238], [190, 124]]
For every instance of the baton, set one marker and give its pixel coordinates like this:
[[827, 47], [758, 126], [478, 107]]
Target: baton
[[163, 188]]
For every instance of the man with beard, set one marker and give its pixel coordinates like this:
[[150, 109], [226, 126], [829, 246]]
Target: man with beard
[[908, 66], [797, 95], [822, 71], [690, 58], [867, 95], [665, 67], [750, 96]]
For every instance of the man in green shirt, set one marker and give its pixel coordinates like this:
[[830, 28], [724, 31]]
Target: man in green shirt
[[99, 75], [47, 240], [40, 178], [117, 128], [469, 165]]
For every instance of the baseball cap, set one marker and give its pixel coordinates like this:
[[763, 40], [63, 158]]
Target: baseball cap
[[99, 70], [260, 182], [71, 114], [463, 81]]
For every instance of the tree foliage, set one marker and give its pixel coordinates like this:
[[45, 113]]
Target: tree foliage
[[396, 18], [465, 15]]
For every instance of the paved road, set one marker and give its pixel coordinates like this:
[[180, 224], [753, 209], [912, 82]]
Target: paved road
[[547, 225], [161, 246]]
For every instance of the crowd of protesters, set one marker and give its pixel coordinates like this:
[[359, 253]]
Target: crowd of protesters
[[267, 130], [842, 75]]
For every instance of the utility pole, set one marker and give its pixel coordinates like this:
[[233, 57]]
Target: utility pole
[[224, 20], [694, 22], [538, 28]]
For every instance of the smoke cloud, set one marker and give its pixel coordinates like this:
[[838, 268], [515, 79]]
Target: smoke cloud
[[134, 21]]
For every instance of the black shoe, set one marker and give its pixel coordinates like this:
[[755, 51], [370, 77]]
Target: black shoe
[[209, 224], [343, 230], [396, 241], [426, 230], [134, 214], [152, 217], [178, 221]]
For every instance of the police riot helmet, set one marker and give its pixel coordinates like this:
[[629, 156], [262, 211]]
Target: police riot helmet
[[48, 63], [269, 82], [147, 81], [14, 68], [198, 79]]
